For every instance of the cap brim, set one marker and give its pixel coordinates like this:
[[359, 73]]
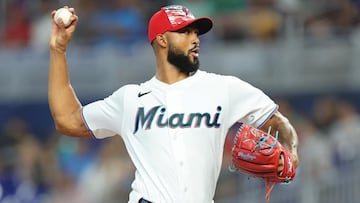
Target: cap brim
[[203, 24]]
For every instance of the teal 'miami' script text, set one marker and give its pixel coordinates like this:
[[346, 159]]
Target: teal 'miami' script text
[[157, 115]]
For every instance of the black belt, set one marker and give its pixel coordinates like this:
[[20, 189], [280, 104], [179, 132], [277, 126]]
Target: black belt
[[142, 200]]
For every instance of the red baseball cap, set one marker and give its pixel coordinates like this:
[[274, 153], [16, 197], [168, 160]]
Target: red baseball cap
[[173, 18]]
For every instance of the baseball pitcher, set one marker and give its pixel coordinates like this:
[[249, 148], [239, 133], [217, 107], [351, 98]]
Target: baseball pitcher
[[174, 125]]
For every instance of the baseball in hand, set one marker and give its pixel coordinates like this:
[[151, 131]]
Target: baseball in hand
[[63, 14]]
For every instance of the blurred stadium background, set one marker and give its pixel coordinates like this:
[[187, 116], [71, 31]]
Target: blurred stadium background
[[303, 53]]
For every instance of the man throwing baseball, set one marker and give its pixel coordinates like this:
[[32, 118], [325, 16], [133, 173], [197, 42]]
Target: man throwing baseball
[[173, 125]]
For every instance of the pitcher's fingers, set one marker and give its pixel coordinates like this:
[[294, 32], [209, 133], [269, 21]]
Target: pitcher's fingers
[[281, 164]]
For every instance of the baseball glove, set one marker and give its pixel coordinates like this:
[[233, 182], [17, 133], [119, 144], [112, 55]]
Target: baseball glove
[[258, 154]]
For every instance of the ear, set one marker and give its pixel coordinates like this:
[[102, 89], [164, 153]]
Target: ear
[[161, 40]]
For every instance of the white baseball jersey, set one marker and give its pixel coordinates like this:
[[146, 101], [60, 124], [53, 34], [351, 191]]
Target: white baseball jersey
[[175, 133]]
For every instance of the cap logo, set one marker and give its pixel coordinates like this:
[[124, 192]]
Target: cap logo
[[178, 14]]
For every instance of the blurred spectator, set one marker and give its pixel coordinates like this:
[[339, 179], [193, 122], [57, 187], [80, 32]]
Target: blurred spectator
[[65, 190], [315, 155], [75, 155], [287, 109], [258, 21], [17, 28], [316, 161], [345, 136], [112, 170], [151, 6], [41, 25], [324, 113], [85, 33], [335, 19], [11, 135], [61, 185], [356, 6], [229, 19], [30, 171], [117, 23], [229, 6], [20, 175], [263, 22]]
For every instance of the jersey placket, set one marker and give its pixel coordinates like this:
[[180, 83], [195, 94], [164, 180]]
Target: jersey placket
[[175, 106]]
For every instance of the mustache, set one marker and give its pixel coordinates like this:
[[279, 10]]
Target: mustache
[[195, 48]]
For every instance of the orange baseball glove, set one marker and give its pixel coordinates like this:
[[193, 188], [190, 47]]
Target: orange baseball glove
[[258, 154]]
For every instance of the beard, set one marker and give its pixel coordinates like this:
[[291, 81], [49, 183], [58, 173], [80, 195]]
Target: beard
[[182, 62]]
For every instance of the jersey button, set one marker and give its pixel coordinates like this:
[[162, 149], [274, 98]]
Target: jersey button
[[185, 189], [181, 163]]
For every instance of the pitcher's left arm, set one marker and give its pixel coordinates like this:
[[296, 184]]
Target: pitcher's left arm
[[286, 133]]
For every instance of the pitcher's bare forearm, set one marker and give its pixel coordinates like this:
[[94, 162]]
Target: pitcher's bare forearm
[[287, 134], [64, 105], [63, 102]]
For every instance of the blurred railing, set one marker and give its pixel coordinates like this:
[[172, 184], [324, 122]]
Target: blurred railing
[[292, 66], [288, 66], [339, 186]]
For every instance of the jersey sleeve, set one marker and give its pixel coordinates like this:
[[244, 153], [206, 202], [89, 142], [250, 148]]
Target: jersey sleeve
[[104, 117], [249, 104]]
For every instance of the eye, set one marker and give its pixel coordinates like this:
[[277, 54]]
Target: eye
[[195, 31], [188, 30], [184, 30]]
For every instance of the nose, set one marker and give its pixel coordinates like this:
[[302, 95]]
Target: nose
[[196, 40]]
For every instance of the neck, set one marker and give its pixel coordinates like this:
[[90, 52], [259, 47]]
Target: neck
[[170, 74], [167, 72]]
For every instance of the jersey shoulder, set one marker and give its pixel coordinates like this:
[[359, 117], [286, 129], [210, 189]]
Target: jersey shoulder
[[129, 90], [219, 78]]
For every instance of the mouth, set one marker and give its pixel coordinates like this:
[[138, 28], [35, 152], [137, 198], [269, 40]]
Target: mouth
[[195, 52]]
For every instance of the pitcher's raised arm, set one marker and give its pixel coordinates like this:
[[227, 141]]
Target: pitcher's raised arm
[[64, 105]]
